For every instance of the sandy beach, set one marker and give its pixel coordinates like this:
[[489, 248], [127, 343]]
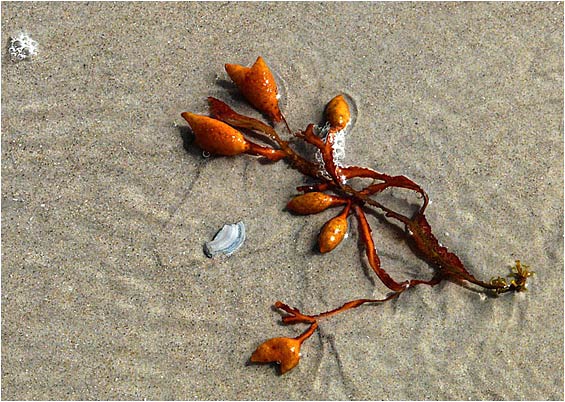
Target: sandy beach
[[106, 202]]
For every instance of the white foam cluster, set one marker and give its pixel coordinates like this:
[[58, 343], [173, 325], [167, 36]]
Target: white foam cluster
[[22, 47], [338, 146]]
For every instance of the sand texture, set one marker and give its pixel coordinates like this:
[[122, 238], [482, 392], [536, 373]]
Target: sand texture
[[106, 203]]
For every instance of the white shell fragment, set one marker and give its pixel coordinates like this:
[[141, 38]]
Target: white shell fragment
[[226, 241]]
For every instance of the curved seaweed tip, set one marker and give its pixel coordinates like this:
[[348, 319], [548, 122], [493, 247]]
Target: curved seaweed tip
[[518, 279]]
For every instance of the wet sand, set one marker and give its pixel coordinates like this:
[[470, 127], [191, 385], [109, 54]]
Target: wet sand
[[106, 204]]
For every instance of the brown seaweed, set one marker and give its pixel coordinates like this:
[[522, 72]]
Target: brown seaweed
[[224, 133]]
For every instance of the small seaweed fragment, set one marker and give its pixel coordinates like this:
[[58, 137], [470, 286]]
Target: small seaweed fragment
[[224, 133]]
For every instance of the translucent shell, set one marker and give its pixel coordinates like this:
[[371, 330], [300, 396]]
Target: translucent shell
[[226, 241], [332, 233], [285, 351], [258, 85], [215, 136], [312, 203], [337, 113]]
